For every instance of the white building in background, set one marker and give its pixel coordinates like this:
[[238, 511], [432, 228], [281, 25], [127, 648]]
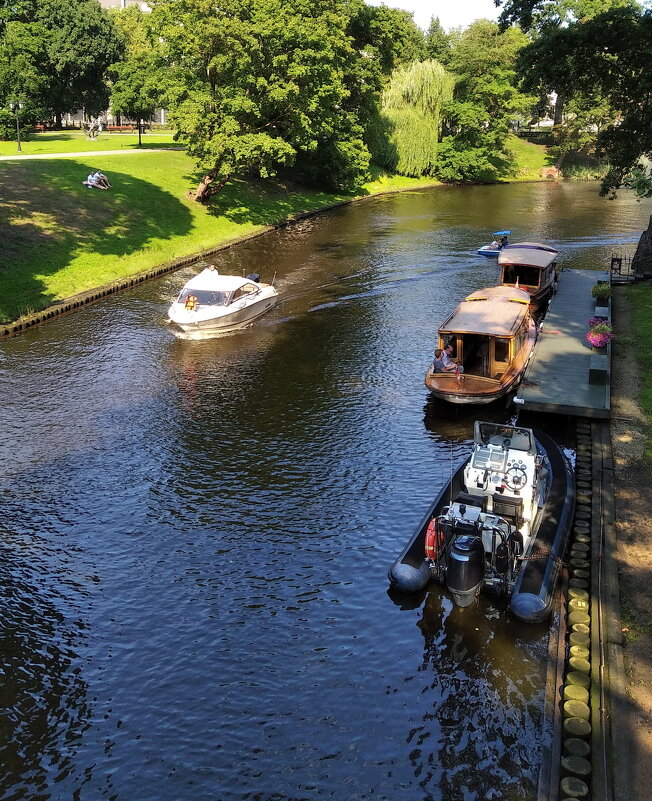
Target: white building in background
[[124, 4]]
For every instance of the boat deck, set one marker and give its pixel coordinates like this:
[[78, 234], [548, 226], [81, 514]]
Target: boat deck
[[564, 375]]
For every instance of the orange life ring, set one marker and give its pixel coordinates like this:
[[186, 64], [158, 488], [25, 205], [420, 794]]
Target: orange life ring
[[434, 539], [191, 303]]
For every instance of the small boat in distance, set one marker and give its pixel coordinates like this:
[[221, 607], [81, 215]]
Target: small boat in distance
[[530, 266], [211, 303], [500, 241], [501, 524], [493, 334]]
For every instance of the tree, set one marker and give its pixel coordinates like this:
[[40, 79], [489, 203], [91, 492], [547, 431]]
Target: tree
[[412, 105], [49, 41], [438, 42], [135, 91], [485, 106], [261, 85], [602, 49]]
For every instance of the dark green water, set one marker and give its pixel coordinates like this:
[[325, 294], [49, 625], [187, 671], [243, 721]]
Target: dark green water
[[196, 534]]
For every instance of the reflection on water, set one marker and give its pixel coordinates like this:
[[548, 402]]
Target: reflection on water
[[196, 534]]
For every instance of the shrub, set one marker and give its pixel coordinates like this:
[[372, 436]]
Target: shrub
[[601, 290]]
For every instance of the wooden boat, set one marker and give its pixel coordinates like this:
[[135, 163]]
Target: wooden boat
[[493, 335], [500, 524], [530, 266]]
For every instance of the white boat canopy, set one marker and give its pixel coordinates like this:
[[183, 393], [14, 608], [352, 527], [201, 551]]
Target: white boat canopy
[[210, 280], [533, 254], [496, 311]]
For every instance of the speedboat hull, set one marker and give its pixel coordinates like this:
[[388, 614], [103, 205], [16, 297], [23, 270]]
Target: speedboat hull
[[488, 251], [470, 541], [196, 322]]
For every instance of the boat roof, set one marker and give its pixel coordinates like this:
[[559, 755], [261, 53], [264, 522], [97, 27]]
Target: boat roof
[[497, 311], [501, 233], [210, 279], [534, 254]]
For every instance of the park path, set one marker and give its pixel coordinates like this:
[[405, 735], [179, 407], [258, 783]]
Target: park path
[[85, 153]]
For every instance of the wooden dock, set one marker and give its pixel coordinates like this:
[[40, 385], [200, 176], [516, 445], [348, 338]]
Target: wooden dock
[[564, 375]]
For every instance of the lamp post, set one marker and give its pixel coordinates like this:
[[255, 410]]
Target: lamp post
[[16, 107]]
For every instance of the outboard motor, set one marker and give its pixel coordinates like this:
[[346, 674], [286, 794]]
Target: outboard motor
[[465, 569], [253, 277]]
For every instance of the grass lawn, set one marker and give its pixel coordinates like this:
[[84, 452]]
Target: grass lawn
[[640, 297], [60, 238], [78, 142], [529, 158]]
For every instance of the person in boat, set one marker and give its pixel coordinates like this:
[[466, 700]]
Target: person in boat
[[494, 245], [450, 364], [437, 365], [504, 242]]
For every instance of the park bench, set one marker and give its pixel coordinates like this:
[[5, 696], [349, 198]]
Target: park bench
[[124, 128]]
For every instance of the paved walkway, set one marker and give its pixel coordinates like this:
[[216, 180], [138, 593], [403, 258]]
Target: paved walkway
[[89, 153], [564, 375]]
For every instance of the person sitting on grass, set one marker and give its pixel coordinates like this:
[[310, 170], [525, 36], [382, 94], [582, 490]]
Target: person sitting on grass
[[92, 182], [102, 180]]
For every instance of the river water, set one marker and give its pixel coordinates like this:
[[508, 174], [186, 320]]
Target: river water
[[196, 534]]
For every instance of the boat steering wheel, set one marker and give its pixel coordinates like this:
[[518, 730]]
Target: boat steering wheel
[[515, 477]]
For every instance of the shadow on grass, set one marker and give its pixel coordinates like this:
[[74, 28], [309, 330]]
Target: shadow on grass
[[47, 217], [265, 202]]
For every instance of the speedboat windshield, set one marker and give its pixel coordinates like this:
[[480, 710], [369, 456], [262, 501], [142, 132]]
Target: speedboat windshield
[[204, 297], [519, 439]]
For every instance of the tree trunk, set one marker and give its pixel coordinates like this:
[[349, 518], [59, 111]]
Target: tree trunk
[[57, 120], [207, 188], [559, 110]]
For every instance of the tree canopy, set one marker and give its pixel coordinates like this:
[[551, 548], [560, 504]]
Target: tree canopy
[[259, 84], [46, 57], [602, 54]]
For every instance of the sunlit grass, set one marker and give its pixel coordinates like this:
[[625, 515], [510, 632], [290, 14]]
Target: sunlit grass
[[640, 297], [529, 158], [77, 142], [62, 238]]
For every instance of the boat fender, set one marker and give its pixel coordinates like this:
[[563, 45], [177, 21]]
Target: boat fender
[[191, 303], [434, 539], [502, 557], [516, 543]]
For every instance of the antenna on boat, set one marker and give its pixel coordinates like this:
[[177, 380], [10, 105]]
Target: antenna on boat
[[450, 478]]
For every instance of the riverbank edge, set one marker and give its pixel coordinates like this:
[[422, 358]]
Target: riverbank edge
[[67, 305]]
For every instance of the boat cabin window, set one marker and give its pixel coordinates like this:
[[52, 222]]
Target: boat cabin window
[[204, 297], [523, 273], [243, 291], [512, 437], [501, 350]]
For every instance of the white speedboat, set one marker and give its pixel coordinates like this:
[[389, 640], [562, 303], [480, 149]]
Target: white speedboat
[[211, 303]]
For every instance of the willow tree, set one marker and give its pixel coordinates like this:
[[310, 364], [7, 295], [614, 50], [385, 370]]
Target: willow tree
[[411, 109]]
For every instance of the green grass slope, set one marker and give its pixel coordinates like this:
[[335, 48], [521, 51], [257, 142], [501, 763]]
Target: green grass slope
[[60, 238]]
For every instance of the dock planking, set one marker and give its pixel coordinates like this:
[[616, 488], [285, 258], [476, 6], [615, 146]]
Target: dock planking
[[565, 375]]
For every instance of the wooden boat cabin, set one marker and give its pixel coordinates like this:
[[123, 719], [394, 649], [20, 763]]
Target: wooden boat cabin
[[492, 333], [530, 266]]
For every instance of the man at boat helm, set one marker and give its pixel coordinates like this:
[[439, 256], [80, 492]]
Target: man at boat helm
[[449, 363]]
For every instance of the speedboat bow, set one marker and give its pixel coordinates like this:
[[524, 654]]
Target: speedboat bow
[[211, 303]]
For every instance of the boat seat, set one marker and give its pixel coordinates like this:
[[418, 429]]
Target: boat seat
[[510, 508], [472, 500]]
